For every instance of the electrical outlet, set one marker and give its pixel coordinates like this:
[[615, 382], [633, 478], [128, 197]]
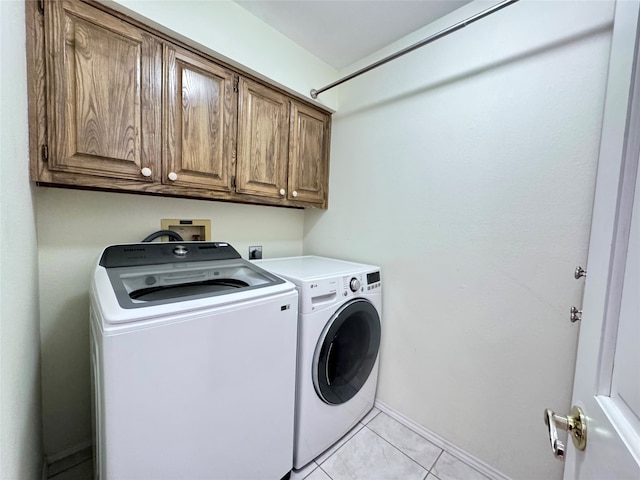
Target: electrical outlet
[[255, 253]]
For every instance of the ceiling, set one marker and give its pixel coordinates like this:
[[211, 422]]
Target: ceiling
[[341, 32]]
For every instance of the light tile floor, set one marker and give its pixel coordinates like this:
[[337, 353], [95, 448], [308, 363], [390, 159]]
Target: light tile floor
[[381, 448], [378, 448]]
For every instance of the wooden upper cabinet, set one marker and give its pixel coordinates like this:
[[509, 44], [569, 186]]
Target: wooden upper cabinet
[[308, 155], [104, 88], [116, 105], [263, 136], [200, 121]]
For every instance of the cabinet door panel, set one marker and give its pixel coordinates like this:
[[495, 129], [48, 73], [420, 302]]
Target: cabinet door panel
[[103, 79], [262, 141], [200, 121], [308, 155]]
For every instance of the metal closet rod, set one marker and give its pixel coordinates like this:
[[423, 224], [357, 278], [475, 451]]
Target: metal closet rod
[[436, 36]]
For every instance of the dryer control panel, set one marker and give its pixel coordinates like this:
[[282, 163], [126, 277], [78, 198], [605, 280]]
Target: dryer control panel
[[361, 283], [352, 284], [321, 293], [373, 280], [324, 282]]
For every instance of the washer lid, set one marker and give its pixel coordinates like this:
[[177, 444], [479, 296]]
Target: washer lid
[[144, 275]]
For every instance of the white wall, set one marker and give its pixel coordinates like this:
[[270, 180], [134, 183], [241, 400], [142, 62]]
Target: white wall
[[231, 33], [73, 226], [466, 170], [20, 407]]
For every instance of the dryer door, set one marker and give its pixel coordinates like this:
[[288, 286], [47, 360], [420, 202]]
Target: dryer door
[[346, 352]]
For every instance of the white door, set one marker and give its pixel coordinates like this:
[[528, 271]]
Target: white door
[[607, 377]]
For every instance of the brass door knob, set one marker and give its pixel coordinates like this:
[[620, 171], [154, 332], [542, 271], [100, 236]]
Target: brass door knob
[[575, 424]]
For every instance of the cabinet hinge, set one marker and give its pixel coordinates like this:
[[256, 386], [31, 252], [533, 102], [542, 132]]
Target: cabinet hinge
[[44, 153], [41, 6], [233, 182], [235, 84]]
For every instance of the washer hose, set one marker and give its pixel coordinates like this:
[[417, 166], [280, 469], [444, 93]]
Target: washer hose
[[173, 236]]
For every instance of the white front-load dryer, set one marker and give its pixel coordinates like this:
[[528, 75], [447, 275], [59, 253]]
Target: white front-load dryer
[[339, 312]]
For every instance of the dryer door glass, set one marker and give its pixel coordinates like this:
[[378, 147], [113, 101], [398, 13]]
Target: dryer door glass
[[347, 352]]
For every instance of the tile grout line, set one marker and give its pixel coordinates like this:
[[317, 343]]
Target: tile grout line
[[324, 471], [372, 418], [442, 450], [435, 463], [479, 466], [380, 436], [362, 426], [337, 446]]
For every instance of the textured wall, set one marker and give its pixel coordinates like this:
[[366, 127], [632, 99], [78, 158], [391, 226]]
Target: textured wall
[[466, 170], [233, 34], [20, 407]]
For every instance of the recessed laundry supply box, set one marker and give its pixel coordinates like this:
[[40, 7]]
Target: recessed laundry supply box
[[193, 359]]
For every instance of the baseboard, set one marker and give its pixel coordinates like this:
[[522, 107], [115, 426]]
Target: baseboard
[[437, 440]]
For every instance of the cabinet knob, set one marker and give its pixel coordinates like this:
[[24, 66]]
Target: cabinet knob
[[295, 194], [146, 172], [282, 191], [173, 176]]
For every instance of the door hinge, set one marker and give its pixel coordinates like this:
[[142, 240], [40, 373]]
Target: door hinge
[[44, 153], [233, 182], [41, 6]]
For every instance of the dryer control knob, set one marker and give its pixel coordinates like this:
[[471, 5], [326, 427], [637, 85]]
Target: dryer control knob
[[354, 284]]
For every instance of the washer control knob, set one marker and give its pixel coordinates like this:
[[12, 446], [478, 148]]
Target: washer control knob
[[180, 251], [354, 284]]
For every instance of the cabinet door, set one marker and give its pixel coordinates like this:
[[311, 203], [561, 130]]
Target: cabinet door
[[308, 155], [200, 125], [104, 94], [263, 135]]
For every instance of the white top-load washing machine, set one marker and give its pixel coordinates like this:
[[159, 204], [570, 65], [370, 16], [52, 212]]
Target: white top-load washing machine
[[193, 358], [340, 305]]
